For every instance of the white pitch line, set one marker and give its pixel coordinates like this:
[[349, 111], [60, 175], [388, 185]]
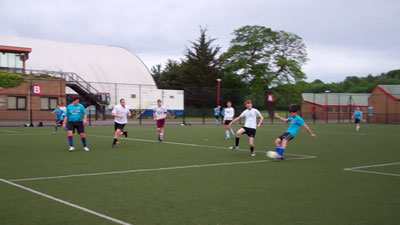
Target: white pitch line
[[374, 172], [67, 203], [22, 134], [11, 131], [357, 169], [370, 166], [155, 169], [189, 144]]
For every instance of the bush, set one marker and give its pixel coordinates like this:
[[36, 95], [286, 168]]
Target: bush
[[10, 80]]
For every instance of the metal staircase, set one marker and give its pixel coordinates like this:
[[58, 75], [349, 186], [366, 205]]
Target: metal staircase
[[89, 95]]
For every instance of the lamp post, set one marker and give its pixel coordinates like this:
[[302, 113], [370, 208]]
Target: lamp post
[[326, 105], [218, 87]]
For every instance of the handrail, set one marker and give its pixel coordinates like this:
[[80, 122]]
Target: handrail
[[69, 77]]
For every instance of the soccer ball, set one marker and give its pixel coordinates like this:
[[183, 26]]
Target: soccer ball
[[272, 154]]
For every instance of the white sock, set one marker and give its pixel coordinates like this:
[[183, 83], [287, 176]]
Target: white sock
[[233, 133], [358, 127], [227, 133], [161, 135]]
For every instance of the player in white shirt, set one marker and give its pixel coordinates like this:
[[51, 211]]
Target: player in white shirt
[[249, 127], [160, 114], [120, 113], [229, 114]]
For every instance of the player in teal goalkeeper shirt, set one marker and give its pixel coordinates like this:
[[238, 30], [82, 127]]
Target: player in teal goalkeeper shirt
[[296, 122], [75, 118]]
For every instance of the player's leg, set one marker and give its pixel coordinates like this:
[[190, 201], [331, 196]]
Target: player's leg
[[56, 127], [81, 132], [227, 133], [251, 142], [161, 133], [237, 138], [116, 136], [70, 130], [357, 125]]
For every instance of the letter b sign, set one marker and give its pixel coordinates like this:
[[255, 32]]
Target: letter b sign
[[36, 89]]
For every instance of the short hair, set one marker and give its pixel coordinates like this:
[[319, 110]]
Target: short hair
[[294, 108], [75, 98], [159, 100], [228, 101], [248, 102], [121, 100]]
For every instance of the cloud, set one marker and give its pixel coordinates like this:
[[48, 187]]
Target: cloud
[[342, 37]]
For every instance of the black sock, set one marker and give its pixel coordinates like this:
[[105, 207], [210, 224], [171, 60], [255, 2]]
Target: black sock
[[237, 141], [252, 149], [115, 141]]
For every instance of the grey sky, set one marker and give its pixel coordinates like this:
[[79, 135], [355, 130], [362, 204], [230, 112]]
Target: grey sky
[[343, 37]]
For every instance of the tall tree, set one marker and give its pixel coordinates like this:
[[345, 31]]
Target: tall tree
[[200, 71], [263, 57], [168, 77]]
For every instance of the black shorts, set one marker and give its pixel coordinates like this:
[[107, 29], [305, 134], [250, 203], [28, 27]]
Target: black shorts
[[357, 121], [227, 122], [76, 125], [286, 136], [251, 132], [216, 116], [119, 126], [59, 122]]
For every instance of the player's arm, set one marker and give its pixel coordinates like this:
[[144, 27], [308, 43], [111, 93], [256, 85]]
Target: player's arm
[[65, 118], [279, 117], [165, 115], [114, 113], [84, 119], [129, 113], [261, 121], [309, 131], [352, 117], [233, 121]]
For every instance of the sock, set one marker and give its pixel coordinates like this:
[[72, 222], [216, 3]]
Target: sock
[[233, 134], [237, 142], [115, 141], [280, 150], [56, 128], [252, 150], [71, 141], [83, 142], [161, 135], [357, 127], [227, 133]]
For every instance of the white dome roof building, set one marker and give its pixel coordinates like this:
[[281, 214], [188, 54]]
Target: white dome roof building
[[109, 69]]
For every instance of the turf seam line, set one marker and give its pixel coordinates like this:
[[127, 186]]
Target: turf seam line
[[358, 169], [67, 203], [155, 169], [189, 144], [11, 131]]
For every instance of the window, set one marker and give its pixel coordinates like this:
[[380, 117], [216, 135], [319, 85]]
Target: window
[[329, 109], [337, 109], [344, 110], [48, 103], [18, 103]]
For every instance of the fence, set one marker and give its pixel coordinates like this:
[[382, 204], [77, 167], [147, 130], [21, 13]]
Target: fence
[[195, 105]]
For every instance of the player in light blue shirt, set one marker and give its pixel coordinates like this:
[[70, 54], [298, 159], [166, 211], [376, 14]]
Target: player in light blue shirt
[[75, 118], [60, 118], [295, 123], [357, 118], [217, 111]]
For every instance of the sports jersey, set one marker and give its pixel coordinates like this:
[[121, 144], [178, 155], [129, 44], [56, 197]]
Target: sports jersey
[[251, 117], [75, 113], [121, 111], [64, 109], [296, 123], [229, 113], [217, 111], [160, 111], [59, 114], [357, 115]]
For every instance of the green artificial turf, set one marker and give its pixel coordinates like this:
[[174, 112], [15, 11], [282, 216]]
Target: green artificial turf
[[193, 178]]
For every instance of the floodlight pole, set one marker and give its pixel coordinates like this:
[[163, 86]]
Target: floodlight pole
[[218, 88]]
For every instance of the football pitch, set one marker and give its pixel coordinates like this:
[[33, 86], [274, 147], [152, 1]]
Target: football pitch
[[342, 177]]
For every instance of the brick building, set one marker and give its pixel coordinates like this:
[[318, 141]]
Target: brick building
[[384, 104], [333, 106], [32, 101]]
